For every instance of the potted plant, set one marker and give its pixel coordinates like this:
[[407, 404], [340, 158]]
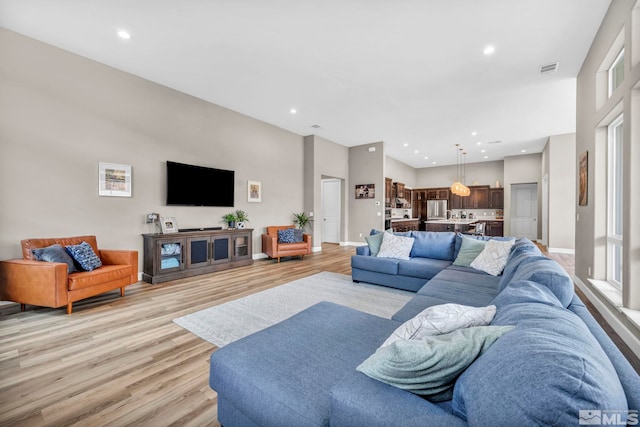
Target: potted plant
[[230, 219], [241, 218], [301, 220]]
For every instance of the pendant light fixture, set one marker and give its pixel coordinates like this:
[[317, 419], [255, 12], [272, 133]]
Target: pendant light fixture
[[456, 187], [465, 191]]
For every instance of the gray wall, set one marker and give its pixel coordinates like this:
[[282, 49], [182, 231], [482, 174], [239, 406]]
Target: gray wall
[[594, 112], [485, 173], [400, 172], [558, 163], [61, 114], [325, 159], [365, 167]]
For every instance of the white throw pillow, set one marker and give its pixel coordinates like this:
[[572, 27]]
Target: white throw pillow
[[395, 246], [494, 256], [442, 319]]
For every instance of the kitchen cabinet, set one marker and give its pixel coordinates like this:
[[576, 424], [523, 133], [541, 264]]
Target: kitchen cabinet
[[493, 228], [405, 225], [389, 193], [437, 193], [459, 228], [478, 199], [399, 189], [496, 198]]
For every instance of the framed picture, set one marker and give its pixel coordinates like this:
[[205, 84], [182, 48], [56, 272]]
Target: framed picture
[[365, 191], [114, 180], [169, 225], [583, 178], [254, 191]]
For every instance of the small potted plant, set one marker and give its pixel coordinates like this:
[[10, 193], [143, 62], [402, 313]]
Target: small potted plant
[[241, 218], [230, 219], [301, 220]]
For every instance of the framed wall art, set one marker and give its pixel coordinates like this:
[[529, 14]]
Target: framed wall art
[[254, 191], [114, 180], [365, 191]]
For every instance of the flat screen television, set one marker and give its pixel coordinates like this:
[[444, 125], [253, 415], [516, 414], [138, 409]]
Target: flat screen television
[[190, 185]]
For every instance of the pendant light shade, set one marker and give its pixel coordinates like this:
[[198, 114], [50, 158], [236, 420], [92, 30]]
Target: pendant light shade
[[458, 188]]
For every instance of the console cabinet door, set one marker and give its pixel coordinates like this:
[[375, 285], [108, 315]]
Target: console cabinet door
[[198, 251], [221, 249], [170, 255]]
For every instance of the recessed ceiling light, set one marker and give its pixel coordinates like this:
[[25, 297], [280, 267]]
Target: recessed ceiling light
[[426, 157], [483, 150], [474, 133], [488, 50], [406, 144], [523, 150], [293, 111], [124, 34], [478, 143], [415, 151], [486, 157], [434, 162]]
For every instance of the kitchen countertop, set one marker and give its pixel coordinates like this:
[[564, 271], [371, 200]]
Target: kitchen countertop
[[452, 221], [404, 219]]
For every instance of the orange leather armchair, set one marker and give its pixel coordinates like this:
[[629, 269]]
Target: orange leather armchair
[[47, 284], [271, 247]]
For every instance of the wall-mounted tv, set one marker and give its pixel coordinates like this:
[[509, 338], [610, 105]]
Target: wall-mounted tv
[[190, 185]]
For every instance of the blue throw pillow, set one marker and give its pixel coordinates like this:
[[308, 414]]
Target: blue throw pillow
[[297, 235], [286, 235], [84, 255], [54, 253]]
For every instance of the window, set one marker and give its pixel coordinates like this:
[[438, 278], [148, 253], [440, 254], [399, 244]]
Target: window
[[614, 202], [616, 72]]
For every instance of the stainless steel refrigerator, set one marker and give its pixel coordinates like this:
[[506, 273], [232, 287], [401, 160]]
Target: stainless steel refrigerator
[[436, 209]]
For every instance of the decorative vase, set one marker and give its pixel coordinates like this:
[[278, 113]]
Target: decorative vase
[[240, 225], [232, 224]]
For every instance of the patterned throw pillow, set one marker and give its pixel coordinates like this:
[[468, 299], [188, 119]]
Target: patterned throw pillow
[[395, 246], [84, 255], [286, 236], [494, 257], [442, 319], [55, 253]]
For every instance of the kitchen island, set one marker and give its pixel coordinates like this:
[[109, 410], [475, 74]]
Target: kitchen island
[[493, 227], [405, 224]]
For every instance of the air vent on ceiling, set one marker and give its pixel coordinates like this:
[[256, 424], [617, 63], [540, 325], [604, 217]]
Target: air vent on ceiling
[[548, 69], [315, 126], [494, 142]]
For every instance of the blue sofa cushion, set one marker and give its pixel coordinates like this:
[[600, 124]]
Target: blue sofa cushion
[[435, 245], [55, 253], [561, 366], [425, 268], [459, 292], [469, 276], [549, 273], [282, 375], [518, 255], [430, 365], [375, 264], [358, 401], [525, 291]]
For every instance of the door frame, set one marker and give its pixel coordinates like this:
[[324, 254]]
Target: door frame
[[322, 208]]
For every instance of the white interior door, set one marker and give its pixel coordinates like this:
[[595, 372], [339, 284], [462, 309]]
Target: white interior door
[[331, 208], [524, 210], [545, 210]]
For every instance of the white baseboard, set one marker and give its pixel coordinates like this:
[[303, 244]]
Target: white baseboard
[[353, 243], [562, 250], [139, 276], [316, 249], [260, 255], [629, 336]]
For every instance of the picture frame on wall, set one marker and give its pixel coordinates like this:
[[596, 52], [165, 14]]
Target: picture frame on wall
[[365, 191], [583, 179], [254, 191], [114, 180], [169, 225]]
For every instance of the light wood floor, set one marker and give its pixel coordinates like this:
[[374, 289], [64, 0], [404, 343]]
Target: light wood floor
[[122, 361]]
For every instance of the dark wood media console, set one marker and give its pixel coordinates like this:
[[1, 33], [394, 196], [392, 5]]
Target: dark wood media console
[[190, 253]]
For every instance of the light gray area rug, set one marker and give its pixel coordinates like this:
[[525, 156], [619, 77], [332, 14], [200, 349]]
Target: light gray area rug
[[228, 322]]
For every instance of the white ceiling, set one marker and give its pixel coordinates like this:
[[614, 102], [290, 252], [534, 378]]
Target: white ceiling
[[403, 72]]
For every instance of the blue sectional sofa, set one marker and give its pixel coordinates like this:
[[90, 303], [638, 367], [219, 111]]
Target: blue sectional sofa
[[555, 366]]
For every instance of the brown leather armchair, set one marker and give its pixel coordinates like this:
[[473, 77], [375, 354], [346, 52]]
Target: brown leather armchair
[[271, 247], [47, 284]]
